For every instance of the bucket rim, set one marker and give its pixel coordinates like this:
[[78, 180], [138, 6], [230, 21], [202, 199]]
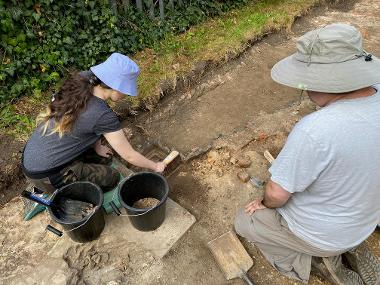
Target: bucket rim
[[84, 219], [139, 210]]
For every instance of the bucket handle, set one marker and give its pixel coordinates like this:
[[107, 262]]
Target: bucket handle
[[54, 230], [115, 208], [137, 215]]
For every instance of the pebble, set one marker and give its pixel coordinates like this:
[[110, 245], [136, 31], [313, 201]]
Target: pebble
[[212, 157], [243, 161], [243, 176]]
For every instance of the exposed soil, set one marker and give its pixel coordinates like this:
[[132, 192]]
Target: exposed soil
[[12, 180], [146, 203], [236, 111]]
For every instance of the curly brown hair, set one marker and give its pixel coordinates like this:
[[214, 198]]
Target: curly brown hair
[[68, 103]]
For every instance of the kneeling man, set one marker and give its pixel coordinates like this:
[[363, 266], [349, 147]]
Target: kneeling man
[[323, 198]]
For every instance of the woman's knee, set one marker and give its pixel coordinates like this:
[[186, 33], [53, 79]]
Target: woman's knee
[[103, 175], [108, 178]]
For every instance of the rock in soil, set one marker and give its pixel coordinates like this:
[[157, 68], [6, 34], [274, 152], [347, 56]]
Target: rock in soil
[[88, 210], [243, 161], [212, 157], [243, 176], [146, 203]]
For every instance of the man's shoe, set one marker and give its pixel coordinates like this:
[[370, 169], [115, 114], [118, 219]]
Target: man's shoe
[[365, 263], [332, 269]]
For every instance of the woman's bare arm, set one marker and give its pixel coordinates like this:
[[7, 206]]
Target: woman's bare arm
[[121, 145]]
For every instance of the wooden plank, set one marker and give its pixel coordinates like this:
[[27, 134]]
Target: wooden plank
[[230, 254], [162, 9]]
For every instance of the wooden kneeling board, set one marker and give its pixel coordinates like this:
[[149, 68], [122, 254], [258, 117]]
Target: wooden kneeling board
[[231, 256]]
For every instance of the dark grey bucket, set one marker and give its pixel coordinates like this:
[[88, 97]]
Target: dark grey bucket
[[89, 228], [145, 185]]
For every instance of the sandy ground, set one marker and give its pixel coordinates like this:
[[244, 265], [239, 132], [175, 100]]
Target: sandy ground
[[234, 110]]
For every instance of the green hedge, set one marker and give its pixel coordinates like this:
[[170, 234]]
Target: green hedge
[[41, 40]]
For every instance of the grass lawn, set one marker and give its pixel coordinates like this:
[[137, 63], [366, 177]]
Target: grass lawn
[[212, 40]]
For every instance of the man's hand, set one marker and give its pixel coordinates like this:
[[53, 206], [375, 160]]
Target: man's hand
[[254, 205], [102, 150]]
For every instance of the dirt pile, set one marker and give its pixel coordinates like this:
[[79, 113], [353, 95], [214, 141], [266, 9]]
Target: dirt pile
[[146, 203]]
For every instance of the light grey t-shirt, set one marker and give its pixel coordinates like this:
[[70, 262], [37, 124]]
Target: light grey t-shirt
[[330, 163]]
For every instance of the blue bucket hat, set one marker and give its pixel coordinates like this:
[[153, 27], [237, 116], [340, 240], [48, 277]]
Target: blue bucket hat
[[118, 72]]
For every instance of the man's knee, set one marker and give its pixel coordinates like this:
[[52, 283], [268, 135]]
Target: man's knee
[[257, 226], [243, 223]]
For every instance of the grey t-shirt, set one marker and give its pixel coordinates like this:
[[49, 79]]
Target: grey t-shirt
[[45, 152], [330, 163]]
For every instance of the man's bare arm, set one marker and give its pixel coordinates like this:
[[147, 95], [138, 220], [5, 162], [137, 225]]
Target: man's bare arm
[[275, 196]]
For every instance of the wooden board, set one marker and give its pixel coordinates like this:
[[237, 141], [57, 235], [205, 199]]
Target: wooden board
[[230, 255]]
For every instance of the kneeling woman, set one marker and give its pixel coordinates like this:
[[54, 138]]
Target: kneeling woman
[[59, 150]]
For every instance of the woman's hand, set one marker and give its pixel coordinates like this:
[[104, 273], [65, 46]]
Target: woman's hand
[[102, 150], [160, 167], [254, 205]]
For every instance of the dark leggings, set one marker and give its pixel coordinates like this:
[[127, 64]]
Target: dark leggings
[[88, 167]]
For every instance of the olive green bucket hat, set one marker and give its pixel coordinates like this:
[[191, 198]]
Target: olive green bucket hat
[[330, 59]]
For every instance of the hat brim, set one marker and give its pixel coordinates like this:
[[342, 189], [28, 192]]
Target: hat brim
[[330, 78], [125, 86]]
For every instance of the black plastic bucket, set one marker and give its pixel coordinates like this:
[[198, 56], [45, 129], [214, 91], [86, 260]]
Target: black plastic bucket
[[145, 185], [90, 227]]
